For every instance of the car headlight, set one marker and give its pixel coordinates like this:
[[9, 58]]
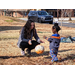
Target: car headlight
[[42, 17], [51, 16]]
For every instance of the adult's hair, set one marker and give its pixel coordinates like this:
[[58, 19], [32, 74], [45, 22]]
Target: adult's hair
[[56, 27], [27, 31]]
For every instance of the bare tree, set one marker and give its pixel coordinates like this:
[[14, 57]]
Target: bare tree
[[69, 13], [58, 14], [7, 12], [64, 13]]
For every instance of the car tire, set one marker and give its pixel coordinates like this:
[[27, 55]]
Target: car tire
[[51, 22], [28, 18], [39, 20]]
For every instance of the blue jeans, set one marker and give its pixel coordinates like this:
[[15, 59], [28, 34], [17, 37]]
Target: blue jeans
[[53, 54]]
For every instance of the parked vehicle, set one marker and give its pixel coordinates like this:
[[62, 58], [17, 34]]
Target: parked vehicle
[[40, 16]]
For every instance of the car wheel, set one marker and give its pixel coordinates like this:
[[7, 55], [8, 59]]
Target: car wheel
[[39, 20], [28, 17], [51, 22]]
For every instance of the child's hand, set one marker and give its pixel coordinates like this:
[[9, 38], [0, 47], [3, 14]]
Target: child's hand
[[44, 36]]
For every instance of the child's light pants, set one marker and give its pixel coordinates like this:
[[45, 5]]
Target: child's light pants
[[53, 54]]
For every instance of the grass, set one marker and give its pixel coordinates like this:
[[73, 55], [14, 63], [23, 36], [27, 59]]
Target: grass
[[42, 32], [15, 19], [9, 20]]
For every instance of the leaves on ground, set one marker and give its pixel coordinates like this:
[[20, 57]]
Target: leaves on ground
[[10, 54]]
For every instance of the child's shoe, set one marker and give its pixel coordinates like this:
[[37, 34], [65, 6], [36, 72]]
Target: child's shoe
[[54, 61]]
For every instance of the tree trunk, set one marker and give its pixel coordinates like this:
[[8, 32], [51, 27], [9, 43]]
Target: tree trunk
[[58, 14], [23, 13], [70, 16], [12, 14]]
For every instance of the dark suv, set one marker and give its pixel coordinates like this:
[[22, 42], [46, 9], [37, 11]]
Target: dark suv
[[40, 16]]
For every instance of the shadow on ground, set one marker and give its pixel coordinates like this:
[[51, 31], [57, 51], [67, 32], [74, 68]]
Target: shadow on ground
[[7, 57], [69, 57], [66, 50], [46, 54], [33, 55]]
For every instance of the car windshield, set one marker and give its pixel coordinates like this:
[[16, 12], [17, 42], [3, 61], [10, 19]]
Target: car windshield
[[42, 13]]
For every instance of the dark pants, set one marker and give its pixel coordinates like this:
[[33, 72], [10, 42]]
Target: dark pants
[[24, 45]]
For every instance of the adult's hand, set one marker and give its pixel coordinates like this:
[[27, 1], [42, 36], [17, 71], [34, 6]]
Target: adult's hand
[[29, 42], [42, 41]]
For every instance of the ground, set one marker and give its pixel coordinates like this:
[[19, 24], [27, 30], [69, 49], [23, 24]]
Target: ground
[[10, 54]]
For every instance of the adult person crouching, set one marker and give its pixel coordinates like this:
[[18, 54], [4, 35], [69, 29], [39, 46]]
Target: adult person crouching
[[25, 38]]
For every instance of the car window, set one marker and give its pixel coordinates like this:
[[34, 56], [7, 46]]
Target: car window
[[33, 13], [42, 13]]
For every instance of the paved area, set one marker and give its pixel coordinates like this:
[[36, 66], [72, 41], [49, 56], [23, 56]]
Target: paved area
[[67, 24]]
